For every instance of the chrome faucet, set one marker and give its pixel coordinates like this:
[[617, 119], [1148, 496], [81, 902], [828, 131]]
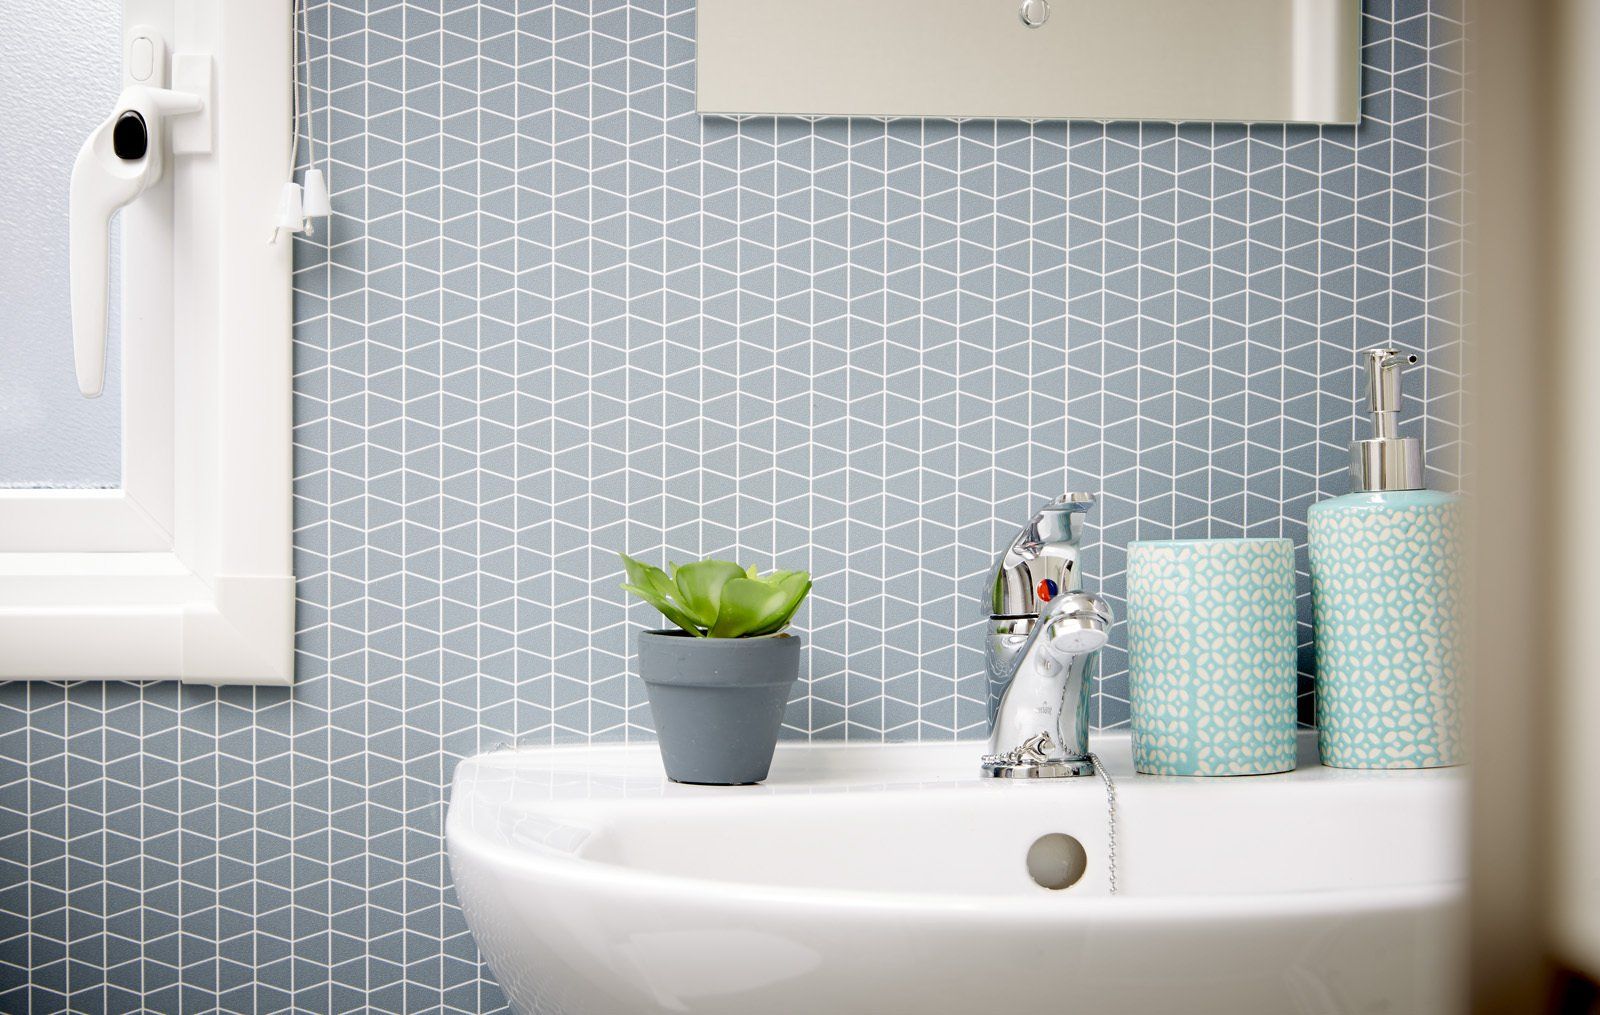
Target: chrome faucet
[[1043, 648]]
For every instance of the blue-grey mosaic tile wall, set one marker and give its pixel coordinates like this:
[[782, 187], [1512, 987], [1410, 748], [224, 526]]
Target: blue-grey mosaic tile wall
[[556, 314]]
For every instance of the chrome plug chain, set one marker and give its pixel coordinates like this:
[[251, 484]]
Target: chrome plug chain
[[1034, 751], [1111, 820]]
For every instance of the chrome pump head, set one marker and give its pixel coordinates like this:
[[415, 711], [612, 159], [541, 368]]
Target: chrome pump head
[[1386, 461]]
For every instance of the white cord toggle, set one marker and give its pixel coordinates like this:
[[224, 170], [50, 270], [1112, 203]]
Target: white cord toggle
[[291, 217], [298, 205], [317, 204]]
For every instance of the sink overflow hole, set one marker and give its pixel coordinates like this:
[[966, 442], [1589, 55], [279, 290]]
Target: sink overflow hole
[[1057, 861]]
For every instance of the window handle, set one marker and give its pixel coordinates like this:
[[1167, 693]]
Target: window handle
[[123, 157]]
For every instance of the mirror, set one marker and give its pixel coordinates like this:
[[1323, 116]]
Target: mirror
[[1219, 60]]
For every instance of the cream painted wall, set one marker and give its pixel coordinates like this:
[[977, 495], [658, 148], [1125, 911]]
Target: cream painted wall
[[1576, 811]]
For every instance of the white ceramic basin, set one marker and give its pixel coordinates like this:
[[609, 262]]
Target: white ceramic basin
[[888, 879]]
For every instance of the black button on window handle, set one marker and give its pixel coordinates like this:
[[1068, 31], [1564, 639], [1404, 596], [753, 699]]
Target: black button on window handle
[[130, 138]]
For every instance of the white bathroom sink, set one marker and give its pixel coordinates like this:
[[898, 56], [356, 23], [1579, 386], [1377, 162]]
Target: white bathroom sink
[[890, 878]]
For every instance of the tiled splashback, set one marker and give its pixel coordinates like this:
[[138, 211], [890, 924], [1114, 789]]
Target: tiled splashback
[[557, 314], [570, 316]]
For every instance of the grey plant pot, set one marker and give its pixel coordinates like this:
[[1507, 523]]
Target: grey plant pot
[[717, 702]]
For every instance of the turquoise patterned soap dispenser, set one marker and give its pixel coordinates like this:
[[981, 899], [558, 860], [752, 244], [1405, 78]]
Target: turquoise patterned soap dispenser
[[1386, 600]]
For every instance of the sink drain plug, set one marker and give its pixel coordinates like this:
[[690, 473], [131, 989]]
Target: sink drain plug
[[1057, 861]]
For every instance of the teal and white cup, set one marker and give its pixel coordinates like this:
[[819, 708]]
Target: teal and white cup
[[1211, 656]]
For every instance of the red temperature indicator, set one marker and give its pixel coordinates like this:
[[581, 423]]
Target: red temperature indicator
[[1047, 590]]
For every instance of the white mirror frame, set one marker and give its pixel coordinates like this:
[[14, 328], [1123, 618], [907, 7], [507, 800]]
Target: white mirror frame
[[185, 572]]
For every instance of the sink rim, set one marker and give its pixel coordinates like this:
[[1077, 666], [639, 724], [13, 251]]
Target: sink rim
[[584, 780], [807, 766]]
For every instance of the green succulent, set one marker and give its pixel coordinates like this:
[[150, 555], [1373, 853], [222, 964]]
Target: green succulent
[[719, 599]]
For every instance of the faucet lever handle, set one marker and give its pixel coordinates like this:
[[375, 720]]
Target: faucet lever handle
[[1012, 590], [1059, 522]]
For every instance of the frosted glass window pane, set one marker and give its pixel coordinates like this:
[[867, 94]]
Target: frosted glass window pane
[[60, 71]]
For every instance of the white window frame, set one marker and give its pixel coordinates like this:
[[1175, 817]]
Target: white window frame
[[186, 571]]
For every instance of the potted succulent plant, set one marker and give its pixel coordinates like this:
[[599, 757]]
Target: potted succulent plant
[[719, 683]]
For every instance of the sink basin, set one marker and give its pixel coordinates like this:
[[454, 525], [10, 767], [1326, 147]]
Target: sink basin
[[890, 878]]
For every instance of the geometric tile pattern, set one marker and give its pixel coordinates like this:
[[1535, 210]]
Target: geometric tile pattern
[[557, 314]]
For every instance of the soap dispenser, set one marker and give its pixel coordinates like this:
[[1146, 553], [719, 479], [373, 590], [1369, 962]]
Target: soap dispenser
[[1386, 600]]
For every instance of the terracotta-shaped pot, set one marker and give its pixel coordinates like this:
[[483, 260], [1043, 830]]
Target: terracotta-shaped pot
[[717, 702]]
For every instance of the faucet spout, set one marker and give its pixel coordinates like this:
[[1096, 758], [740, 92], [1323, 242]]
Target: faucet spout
[[1043, 650]]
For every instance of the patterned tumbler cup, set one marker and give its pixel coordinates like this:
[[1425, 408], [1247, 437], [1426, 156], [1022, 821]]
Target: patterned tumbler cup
[[1211, 656]]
